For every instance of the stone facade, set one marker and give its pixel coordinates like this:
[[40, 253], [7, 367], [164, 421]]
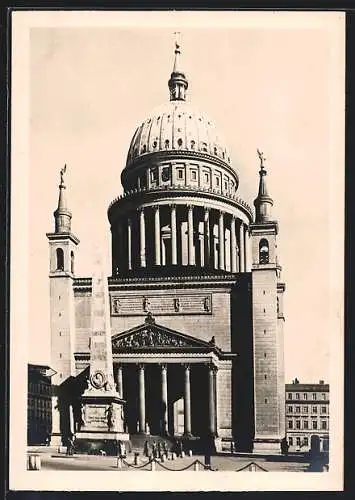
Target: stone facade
[[195, 292]]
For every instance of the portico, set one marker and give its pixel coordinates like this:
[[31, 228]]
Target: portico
[[169, 380]]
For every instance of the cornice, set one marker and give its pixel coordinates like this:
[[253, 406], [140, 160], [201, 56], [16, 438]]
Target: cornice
[[138, 196]]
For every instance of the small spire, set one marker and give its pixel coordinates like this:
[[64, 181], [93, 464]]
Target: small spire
[[178, 83], [263, 201], [62, 216]]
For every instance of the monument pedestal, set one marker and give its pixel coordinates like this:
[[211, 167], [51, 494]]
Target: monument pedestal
[[267, 446], [102, 424]]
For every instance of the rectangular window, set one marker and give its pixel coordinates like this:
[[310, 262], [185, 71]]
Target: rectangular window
[[290, 395], [217, 181], [193, 175], [324, 425], [298, 424], [298, 441], [305, 409], [305, 441], [324, 409], [226, 186], [207, 178], [298, 409], [314, 409], [314, 396], [290, 441], [180, 173], [305, 396], [290, 424], [323, 396], [314, 424], [290, 409], [305, 424], [297, 395]]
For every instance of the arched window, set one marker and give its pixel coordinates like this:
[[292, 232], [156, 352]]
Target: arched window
[[72, 262], [263, 252], [60, 259]]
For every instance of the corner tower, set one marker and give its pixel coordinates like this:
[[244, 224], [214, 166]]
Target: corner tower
[[62, 247], [267, 291]]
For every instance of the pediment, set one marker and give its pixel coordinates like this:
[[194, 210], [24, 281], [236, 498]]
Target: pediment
[[153, 336]]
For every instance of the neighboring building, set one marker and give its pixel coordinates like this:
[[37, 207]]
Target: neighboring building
[[307, 415], [39, 404], [196, 294]]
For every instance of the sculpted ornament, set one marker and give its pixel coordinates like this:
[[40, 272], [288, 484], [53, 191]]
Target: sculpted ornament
[[149, 338], [98, 379], [116, 305]]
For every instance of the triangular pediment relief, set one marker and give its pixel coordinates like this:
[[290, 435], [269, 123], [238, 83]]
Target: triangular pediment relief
[[151, 335]]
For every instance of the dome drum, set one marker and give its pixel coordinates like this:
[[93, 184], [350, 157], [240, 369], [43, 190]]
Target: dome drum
[[169, 234], [195, 171]]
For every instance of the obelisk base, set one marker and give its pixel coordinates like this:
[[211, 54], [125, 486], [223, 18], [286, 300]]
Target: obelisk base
[[102, 425]]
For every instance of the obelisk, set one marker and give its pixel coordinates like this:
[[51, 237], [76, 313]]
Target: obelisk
[[101, 405]]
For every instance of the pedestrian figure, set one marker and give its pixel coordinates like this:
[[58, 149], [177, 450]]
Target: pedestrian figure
[[70, 445], [159, 449], [154, 449], [180, 448], [146, 449], [165, 448]]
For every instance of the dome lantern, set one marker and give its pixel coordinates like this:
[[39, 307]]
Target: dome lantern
[[178, 82]]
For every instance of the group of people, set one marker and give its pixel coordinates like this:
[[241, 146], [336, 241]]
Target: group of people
[[156, 449]]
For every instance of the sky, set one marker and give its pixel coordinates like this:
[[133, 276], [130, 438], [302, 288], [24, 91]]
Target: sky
[[264, 87]]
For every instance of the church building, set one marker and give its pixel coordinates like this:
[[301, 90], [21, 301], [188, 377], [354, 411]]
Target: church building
[[195, 292]]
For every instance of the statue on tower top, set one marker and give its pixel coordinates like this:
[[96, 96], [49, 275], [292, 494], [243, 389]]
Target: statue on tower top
[[261, 157], [62, 172]]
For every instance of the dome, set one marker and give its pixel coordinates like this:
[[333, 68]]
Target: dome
[[176, 126]]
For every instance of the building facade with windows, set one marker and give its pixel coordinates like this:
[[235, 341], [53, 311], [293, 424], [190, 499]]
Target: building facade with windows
[[307, 415], [39, 404], [196, 295]]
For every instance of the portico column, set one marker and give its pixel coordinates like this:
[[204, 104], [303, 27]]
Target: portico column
[[157, 236], [190, 235], [129, 243], [142, 237], [187, 402], [206, 238], [173, 236], [241, 248], [233, 248], [119, 381], [164, 396], [141, 380], [221, 241], [211, 400]]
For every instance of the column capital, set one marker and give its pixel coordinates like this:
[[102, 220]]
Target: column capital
[[141, 366], [155, 207], [211, 367], [163, 366], [140, 209], [190, 206], [172, 205], [186, 366]]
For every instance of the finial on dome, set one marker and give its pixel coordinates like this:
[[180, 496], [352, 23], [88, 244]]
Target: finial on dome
[[263, 202], [178, 82]]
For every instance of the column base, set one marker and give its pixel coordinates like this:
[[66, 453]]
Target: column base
[[56, 439], [267, 446]]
